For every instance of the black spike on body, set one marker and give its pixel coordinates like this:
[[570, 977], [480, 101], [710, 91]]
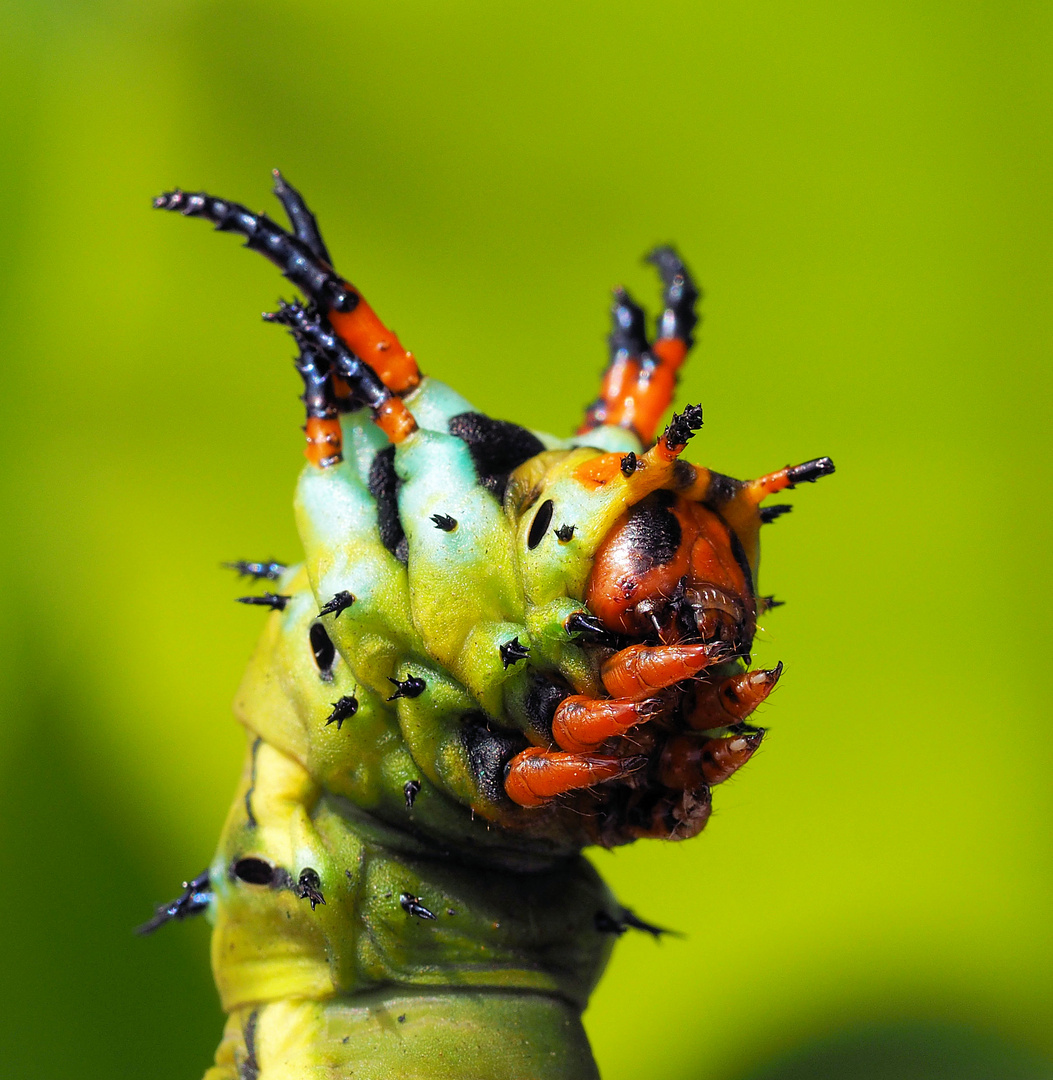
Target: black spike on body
[[565, 533], [343, 710], [810, 471], [341, 602], [412, 906], [407, 688], [309, 330], [768, 514], [512, 652], [628, 335], [274, 601], [444, 522], [262, 571], [304, 223], [410, 791], [770, 602], [583, 622], [196, 896], [309, 887], [293, 257], [680, 294], [629, 464], [683, 425], [632, 920]]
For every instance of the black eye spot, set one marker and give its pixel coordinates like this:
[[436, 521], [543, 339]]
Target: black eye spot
[[540, 524], [323, 649], [254, 871]]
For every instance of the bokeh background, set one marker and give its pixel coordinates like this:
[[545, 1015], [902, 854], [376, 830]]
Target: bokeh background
[[864, 191]]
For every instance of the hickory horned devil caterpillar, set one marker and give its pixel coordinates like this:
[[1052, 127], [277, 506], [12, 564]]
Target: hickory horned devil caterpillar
[[500, 647]]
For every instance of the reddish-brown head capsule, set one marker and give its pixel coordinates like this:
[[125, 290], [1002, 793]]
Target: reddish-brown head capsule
[[672, 570]]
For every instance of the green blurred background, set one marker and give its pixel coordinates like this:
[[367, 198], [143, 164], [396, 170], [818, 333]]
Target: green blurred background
[[864, 192]]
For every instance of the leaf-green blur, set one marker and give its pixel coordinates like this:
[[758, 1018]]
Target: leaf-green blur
[[863, 192]]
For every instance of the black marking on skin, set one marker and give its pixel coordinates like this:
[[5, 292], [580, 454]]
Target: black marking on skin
[[542, 700], [255, 871], [411, 789], [565, 533], [739, 553], [769, 514], [652, 534], [629, 464], [411, 687], [444, 522], [539, 526], [384, 485], [721, 489], [343, 710], [195, 897], [249, 1069], [512, 652], [497, 447], [272, 600], [309, 887], [324, 651], [683, 426], [412, 906], [341, 602], [489, 753], [252, 784], [268, 570]]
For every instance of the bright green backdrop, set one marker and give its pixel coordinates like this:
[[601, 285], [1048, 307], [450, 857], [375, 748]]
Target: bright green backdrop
[[864, 191]]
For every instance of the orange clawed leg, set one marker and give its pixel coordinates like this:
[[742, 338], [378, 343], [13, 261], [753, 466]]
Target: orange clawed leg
[[730, 701], [640, 380], [583, 723], [689, 762], [535, 775], [643, 669]]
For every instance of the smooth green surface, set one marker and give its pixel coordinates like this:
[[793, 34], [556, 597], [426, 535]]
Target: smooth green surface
[[863, 190]]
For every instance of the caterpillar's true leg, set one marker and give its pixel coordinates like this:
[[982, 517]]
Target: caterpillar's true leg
[[643, 669], [351, 316], [640, 380], [535, 775], [390, 414], [730, 701], [688, 762], [582, 723]]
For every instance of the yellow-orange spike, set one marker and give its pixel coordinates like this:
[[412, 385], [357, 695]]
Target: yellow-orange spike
[[722, 704]]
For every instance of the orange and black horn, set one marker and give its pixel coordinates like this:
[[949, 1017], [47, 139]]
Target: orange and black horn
[[304, 223], [680, 295], [391, 416], [324, 436], [293, 255]]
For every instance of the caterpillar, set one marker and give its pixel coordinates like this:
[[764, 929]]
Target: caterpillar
[[500, 647]]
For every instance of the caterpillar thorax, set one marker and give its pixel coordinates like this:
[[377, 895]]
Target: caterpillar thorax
[[500, 647]]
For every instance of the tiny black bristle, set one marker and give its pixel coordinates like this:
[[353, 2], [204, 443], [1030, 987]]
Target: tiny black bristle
[[770, 602], [343, 710], [412, 906], [309, 887], [769, 513], [407, 688], [269, 570], [583, 622], [565, 533], [629, 463], [411, 789], [270, 600], [340, 602], [512, 652], [444, 522]]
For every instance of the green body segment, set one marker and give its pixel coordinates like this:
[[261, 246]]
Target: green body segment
[[390, 808]]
